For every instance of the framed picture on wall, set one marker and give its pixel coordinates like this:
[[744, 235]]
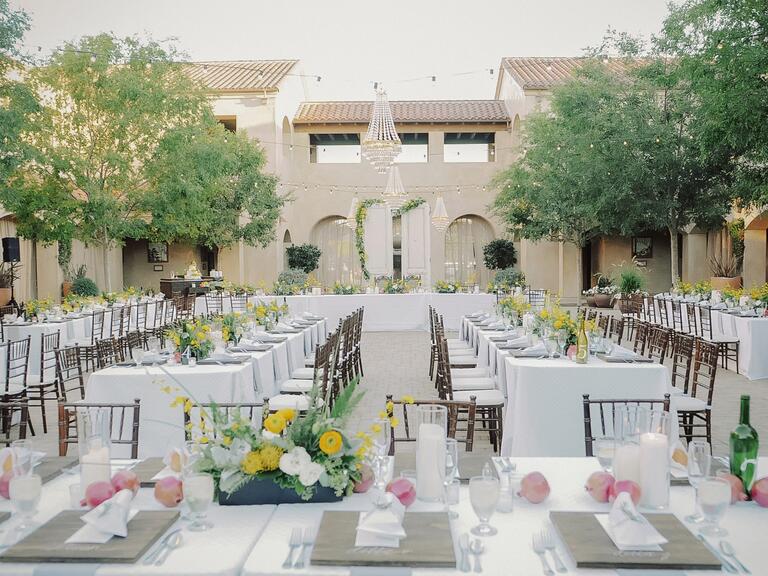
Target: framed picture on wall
[[642, 247], [157, 252]]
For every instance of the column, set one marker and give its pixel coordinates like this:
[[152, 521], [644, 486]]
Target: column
[[754, 267]]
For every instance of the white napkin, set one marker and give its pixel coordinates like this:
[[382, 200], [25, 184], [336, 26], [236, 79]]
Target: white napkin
[[620, 352], [628, 529], [108, 519], [535, 350], [310, 316], [381, 528], [703, 302], [519, 341], [676, 469], [719, 306], [19, 320], [283, 326], [486, 322]]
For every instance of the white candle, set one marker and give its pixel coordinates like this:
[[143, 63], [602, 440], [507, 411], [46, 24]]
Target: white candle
[[95, 466], [626, 462], [430, 462], [654, 470]]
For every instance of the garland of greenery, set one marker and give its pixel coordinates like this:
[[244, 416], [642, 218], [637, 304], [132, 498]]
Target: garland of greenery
[[362, 212]]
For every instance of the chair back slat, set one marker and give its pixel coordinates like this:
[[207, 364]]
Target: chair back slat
[[126, 433]]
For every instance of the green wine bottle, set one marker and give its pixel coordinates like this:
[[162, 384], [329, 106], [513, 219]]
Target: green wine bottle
[[744, 445], [582, 344]]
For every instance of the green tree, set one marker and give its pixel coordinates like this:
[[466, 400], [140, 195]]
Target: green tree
[[208, 187], [499, 253], [107, 105], [305, 257]]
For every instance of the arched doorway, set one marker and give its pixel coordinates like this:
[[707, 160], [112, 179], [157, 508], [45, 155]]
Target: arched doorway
[[464, 242], [287, 243], [339, 261]]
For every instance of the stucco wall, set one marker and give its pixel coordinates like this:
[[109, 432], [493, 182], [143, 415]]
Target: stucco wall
[[140, 273]]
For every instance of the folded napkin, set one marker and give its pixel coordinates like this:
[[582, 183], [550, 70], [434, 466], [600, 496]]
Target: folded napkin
[[381, 527], [535, 350], [678, 460], [519, 341], [311, 316], [719, 306], [620, 352], [108, 519], [629, 529], [283, 326], [19, 320]]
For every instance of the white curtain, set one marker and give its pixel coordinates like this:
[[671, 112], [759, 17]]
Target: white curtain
[[339, 261], [26, 288], [464, 241]]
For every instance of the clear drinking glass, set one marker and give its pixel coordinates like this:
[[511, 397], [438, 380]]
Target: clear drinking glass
[[699, 462], [24, 492], [381, 437], [22, 455], [198, 494], [137, 354], [608, 346], [604, 449], [452, 491], [562, 339], [451, 459], [713, 496], [153, 344], [483, 495]]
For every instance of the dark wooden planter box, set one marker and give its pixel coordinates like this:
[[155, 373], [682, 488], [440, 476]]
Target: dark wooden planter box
[[267, 492]]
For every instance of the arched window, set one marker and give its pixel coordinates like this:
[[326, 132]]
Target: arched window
[[287, 243], [339, 261], [464, 241]]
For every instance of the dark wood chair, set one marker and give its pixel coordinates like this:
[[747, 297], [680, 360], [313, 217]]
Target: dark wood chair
[[682, 357], [658, 340], [642, 329], [123, 422], [238, 302], [199, 416], [16, 367], [47, 388], [214, 304], [536, 297], [69, 372], [12, 431], [598, 414], [728, 346], [461, 420], [117, 321], [616, 329], [109, 351], [695, 410], [88, 352]]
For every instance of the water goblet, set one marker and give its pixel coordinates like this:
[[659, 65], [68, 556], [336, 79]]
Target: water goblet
[[713, 496], [198, 494], [605, 447], [699, 462], [153, 344], [381, 436], [451, 459], [137, 354], [24, 492], [22, 456], [608, 346], [562, 339], [483, 495]]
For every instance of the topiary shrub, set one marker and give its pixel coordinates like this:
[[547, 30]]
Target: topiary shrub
[[83, 286], [303, 257], [499, 254], [290, 281], [509, 278]]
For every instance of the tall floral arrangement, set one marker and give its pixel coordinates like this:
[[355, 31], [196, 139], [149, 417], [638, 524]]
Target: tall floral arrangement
[[514, 306], [193, 335], [233, 326], [35, 307]]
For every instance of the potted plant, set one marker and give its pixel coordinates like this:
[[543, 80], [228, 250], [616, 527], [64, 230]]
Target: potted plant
[[605, 291], [303, 257], [724, 273], [64, 258], [8, 275]]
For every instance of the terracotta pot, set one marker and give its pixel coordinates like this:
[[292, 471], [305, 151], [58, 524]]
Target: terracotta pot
[[721, 282], [5, 296], [591, 301], [603, 300], [66, 288]]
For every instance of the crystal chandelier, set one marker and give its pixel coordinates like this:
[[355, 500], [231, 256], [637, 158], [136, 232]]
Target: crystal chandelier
[[440, 218], [351, 220], [394, 194], [381, 144]]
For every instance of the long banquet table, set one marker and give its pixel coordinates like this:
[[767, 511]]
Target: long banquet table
[[253, 540], [383, 312]]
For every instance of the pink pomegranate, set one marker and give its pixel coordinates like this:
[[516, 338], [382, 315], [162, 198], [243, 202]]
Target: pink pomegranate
[[760, 492], [5, 484], [169, 491], [599, 485], [98, 492], [738, 494], [366, 480], [403, 490], [534, 487], [625, 486], [125, 480]]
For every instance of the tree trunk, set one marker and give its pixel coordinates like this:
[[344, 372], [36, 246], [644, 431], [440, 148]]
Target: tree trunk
[[579, 273], [673, 253], [106, 247]]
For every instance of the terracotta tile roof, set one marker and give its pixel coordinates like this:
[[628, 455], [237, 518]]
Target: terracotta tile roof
[[544, 73], [421, 111], [241, 75]]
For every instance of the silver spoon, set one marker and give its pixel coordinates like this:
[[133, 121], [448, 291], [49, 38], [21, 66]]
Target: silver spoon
[[172, 544], [477, 548], [728, 550], [464, 545]]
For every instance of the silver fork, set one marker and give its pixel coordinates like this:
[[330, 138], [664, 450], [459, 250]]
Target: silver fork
[[293, 543], [309, 539], [538, 547], [548, 540]]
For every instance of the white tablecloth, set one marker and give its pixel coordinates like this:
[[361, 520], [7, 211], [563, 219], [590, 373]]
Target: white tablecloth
[[509, 552], [544, 400], [753, 341], [71, 331], [161, 425]]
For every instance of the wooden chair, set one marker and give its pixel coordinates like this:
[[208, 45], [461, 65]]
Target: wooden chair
[[601, 412], [184, 306], [10, 430], [214, 304], [728, 346], [658, 340], [252, 412], [123, 422], [139, 310], [459, 413], [357, 353], [109, 352], [682, 357], [16, 365], [88, 352], [536, 297], [116, 325], [616, 329], [642, 329], [649, 310], [238, 302], [48, 386], [69, 372], [695, 411], [603, 324]]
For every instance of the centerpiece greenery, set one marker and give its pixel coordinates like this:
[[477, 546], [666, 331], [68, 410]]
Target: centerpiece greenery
[[514, 307], [192, 336], [362, 212], [290, 282], [33, 308], [339, 288], [506, 280], [443, 287], [233, 326]]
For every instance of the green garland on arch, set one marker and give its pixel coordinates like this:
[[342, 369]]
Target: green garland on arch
[[408, 206], [362, 212]]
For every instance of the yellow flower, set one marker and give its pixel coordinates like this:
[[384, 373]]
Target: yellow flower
[[383, 414], [270, 457], [193, 342], [275, 423], [376, 428], [202, 440], [252, 463], [188, 406], [178, 401], [165, 389], [390, 406], [408, 399], [544, 314], [287, 413], [227, 440], [394, 422], [331, 442], [235, 426], [558, 324]]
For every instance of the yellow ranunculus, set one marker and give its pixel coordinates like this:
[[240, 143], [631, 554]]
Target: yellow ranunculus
[[270, 457], [408, 399], [558, 324], [287, 413], [275, 423], [331, 442], [394, 422], [383, 414], [227, 440], [390, 406], [252, 463], [544, 314]]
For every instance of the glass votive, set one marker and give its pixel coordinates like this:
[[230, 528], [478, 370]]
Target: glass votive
[[76, 496]]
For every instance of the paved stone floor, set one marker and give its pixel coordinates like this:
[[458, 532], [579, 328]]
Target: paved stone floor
[[397, 363]]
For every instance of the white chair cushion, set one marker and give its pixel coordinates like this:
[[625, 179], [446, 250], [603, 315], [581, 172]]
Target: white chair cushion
[[483, 397], [461, 354], [296, 385], [724, 339], [688, 404], [303, 374], [298, 402], [458, 344], [469, 373], [461, 384]]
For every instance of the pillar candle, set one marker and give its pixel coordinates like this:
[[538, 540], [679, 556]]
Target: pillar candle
[[95, 465], [430, 462], [626, 462], [654, 470]]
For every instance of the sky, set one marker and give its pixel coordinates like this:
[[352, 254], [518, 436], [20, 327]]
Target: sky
[[352, 43]]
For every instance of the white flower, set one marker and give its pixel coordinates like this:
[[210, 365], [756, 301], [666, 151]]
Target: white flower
[[267, 435], [310, 473], [294, 461]]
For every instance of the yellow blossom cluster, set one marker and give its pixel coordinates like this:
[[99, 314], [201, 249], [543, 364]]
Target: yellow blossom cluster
[[265, 459]]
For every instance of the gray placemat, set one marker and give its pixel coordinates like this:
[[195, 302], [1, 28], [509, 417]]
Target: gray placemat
[[147, 469], [53, 466]]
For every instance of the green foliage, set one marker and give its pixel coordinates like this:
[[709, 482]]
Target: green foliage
[[408, 206], [83, 286], [736, 232], [509, 278], [290, 282], [362, 212], [304, 257], [631, 281], [499, 253]]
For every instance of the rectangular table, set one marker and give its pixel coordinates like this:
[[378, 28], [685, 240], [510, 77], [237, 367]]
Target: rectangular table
[[753, 341]]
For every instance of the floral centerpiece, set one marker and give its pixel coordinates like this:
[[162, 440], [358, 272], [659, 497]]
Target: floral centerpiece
[[340, 288], [392, 286], [681, 288], [703, 290], [291, 457], [554, 319], [191, 337], [760, 294], [443, 287], [514, 307], [733, 295], [233, 326], [34, 308]]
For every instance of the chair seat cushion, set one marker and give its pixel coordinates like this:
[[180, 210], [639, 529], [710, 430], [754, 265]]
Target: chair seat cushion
[[458, 344], [309, 361], [295, 385], [469, 373], [688, 404], [482, 397], [461, 354], [460, 384], [303, 374], [298, 402], [723, 339]]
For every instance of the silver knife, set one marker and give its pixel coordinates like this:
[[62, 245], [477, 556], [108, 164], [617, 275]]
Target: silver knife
[[163, 545], [727, 566]]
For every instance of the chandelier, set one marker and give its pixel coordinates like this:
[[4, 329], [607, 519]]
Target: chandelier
[[381, 144], [351, 220], [394, 194], [440, 218]]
